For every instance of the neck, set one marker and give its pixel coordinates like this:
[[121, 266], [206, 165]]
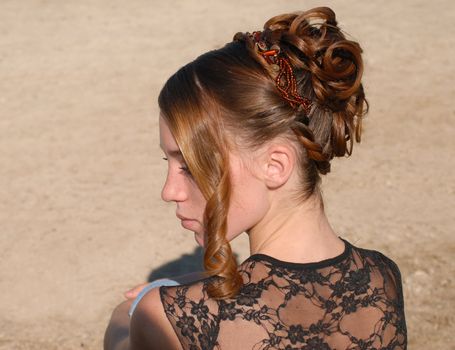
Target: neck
[[298, 233]]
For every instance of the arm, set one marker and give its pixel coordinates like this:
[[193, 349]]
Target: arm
[[116, 336], [386, 310], [148, 328]]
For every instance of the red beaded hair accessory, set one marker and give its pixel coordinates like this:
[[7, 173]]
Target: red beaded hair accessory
[[285, 79]]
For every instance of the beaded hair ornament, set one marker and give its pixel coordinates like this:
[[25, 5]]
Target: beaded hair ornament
[[285, 80]]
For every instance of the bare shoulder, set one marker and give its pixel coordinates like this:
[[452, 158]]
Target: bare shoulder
[[150, 328]]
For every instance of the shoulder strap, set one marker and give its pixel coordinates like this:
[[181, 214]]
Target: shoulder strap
[[147, 288]]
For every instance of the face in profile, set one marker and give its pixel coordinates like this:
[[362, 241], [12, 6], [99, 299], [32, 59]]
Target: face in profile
[[248, 193], [180, 186]]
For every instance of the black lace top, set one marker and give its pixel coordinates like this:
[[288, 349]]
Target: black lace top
[[352, 301]]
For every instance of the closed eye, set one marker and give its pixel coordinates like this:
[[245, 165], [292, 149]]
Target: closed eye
[[184, 168]]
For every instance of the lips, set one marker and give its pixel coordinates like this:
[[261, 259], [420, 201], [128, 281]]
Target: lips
[[182, 217]]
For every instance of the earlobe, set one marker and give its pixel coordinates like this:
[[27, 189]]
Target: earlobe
[[279, 165]]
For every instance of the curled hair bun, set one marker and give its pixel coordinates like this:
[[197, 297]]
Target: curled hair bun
[[313, 41], [329, 69]]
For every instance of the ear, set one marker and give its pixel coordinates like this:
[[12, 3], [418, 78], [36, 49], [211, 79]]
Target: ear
[[278, 164]]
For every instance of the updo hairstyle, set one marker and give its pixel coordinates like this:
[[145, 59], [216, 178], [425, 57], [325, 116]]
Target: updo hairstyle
[[228, 98]]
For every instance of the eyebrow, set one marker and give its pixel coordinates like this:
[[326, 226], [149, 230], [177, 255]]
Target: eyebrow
[[173, 153]]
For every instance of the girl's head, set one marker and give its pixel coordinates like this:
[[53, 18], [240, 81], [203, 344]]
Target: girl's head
[[242, 140]]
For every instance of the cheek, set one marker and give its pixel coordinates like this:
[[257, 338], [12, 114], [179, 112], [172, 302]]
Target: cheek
[[198, 202], [249, 203]]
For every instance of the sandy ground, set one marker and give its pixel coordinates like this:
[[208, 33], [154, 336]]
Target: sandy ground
[[81, 171]]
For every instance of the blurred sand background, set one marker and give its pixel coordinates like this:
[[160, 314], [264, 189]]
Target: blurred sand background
[[81, 171]]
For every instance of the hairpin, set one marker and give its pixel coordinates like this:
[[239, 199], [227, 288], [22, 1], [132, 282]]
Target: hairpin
[[285, 79]]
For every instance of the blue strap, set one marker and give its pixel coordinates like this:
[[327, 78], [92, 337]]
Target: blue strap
[[148, 287]]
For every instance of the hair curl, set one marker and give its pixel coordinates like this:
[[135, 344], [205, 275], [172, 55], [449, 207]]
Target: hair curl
[[229, 91]]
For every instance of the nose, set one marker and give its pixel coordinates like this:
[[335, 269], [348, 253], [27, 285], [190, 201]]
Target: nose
[[174, 189]]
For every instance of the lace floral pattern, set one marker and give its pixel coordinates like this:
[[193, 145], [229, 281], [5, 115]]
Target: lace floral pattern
[[353, 301]]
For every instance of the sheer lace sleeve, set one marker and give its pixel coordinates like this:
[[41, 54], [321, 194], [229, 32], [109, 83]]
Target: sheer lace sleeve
[[374, 298], [352, 301], [192, 314]]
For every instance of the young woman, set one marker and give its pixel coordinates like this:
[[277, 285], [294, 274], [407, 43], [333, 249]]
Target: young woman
[[247, 130]]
